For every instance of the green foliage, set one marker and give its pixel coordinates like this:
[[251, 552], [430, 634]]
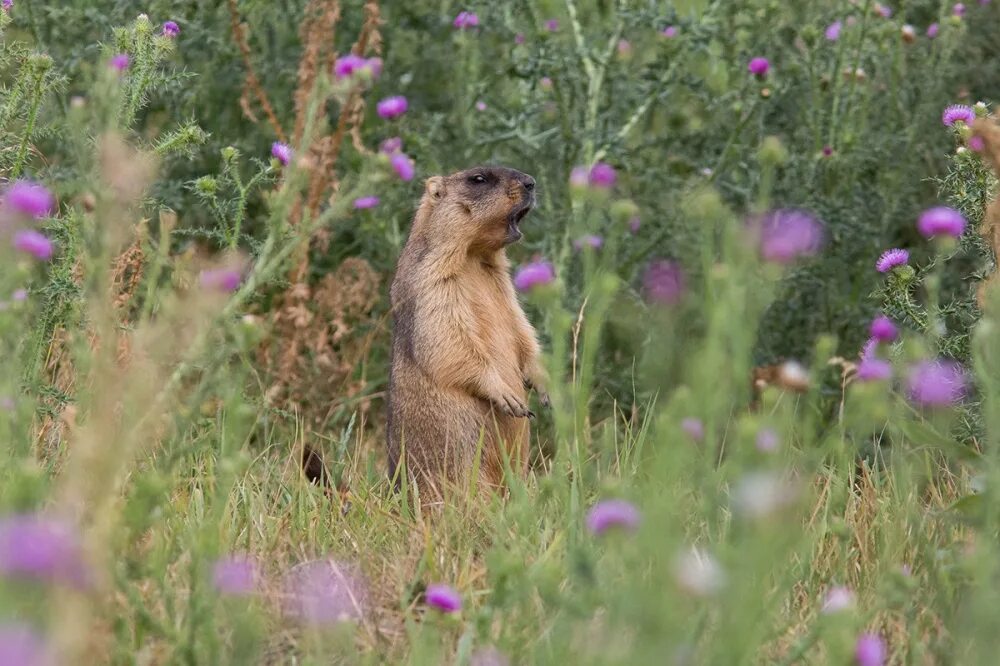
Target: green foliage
[[137, 412]]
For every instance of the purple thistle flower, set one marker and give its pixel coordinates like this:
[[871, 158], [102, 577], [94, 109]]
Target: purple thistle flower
[[519, 38], [958, 10], [535, 274], [545, 82], [759, 67], [19, 295], [977, 144], [941, 221], [883, 330], [346, 66], [41, 548], [614, 513], [872, 369], [868, 349], [788, 234], [391, 145], [624, 47], [664, 282], [891, 259], [171, 29], [552, 25], [602, 176], [827, 151], [402, 165], [669, 32], [366, 202], [480, 105], [590, 240], [220, 279], [7, 5], [579, 177], [956, 112], [883, 11], [869, 650], [235, 575], [466, 20], [324, 592], [767, 440], [443, 597], [938, 383], [20, 645], [932, 30], [693, 428], [29, 199], [281, 152], [833, 30], [34, 243], [119, 62], [391, 107]]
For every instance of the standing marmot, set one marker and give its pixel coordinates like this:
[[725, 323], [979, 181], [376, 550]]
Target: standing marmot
[[463, 352]]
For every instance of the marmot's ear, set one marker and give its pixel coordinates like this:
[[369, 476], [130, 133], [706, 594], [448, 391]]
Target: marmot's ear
[[435, 187]]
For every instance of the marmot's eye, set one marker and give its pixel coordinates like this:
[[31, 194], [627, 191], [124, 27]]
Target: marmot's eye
[[478, 178]]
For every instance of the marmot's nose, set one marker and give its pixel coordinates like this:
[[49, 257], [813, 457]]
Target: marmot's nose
[[528, 182]]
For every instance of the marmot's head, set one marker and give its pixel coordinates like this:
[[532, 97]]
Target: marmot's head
[[480, 207]]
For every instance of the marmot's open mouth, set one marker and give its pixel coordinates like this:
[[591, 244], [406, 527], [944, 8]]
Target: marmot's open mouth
[[514, 220]]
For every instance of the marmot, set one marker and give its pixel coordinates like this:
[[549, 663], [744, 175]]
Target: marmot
[[463, 353]]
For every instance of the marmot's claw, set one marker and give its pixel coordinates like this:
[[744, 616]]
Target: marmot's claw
[[511, 406], [531, 414]]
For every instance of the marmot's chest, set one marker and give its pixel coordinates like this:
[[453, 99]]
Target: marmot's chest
[[491, 299]]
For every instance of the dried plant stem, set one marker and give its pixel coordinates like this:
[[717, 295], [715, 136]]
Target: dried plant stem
[[253, 83]]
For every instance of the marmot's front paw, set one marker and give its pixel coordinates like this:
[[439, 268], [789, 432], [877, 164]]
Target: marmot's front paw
[[511, 406], [543, 396]]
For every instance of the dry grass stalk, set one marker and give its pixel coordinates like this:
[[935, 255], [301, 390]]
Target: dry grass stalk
[[252, 83]]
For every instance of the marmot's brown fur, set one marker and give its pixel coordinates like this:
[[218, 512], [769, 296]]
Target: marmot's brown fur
[[463, 353]]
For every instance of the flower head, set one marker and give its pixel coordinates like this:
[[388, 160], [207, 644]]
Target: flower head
[[958, 112], [235, 575], [883, 11], [909, 33], [693, 428], [34, 243], [481, 105], [869, 650], [602, 176], [391, 107], [872, 369], [664, 282], [20, 645], [869, 348], [220, 279], [32, 546], [608, 514], [519, 38], [28, 198], [323, 592], [466, 20], [366, 202], [552, 25], [535, 274], [788, 234], [119, 62], [624, 47], [402, 165], [938, 383], [958, 9], [281, 152], [838, 598], [589, 240], [977, 144], [698, 572], [759, 66], [19, 295], [932, 30], [391, 145], [941, 221], [883, 330], [833, 30], [443, 597], [669, 32], [7, 5], [171, 29], [767, 440], [891, 259], [346, 66]]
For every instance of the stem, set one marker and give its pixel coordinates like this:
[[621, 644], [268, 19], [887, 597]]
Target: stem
[[36, 101]]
